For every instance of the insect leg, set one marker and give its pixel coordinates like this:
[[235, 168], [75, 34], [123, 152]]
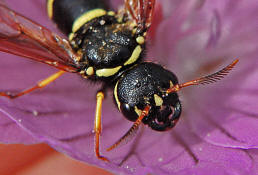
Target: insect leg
[[39, 85], [97, 124], [132, 131]]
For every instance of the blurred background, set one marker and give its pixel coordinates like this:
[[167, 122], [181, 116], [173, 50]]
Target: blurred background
[[40, 159]]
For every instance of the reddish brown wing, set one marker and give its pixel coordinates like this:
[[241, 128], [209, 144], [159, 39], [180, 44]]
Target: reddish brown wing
[[23, 37], [141, 11]]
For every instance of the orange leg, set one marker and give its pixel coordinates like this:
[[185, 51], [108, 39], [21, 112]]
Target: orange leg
[[97, 125], [39, 85]]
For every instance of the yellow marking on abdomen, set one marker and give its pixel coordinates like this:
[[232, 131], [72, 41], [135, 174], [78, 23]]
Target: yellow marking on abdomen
[[107, 72], [86, 17], [135, 55], [50, 8]]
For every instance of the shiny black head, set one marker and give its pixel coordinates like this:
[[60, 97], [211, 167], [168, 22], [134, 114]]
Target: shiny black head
[[146, 84]]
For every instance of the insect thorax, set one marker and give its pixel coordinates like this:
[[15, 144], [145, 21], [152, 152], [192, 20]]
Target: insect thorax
[[108, 47]]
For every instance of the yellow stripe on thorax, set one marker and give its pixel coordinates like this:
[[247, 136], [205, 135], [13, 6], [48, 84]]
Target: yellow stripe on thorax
[[86, 17], [107, 72], [135, 55]]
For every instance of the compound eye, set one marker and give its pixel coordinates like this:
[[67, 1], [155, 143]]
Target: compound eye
[[166, 118], [129, 112]]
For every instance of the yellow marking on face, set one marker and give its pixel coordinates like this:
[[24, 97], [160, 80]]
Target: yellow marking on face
[[70, 37], [50, 8], [116, 97], [90, 71], [158, 100], [111, 13], [140, 40], [171, 84], [135, 55], [138, 111], [108, 72], [86, 17]]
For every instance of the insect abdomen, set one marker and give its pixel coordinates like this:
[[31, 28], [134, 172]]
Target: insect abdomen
[[69, 15]]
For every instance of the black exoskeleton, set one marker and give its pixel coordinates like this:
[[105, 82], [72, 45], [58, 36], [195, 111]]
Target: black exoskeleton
[[146, 84]]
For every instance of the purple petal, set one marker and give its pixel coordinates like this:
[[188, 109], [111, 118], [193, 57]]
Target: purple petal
[[220, 113], [210, 159], [12, 133], [253, 153], [196, 39]]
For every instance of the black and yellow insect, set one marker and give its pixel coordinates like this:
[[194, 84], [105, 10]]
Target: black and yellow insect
[[104, 46], [109, 44]]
